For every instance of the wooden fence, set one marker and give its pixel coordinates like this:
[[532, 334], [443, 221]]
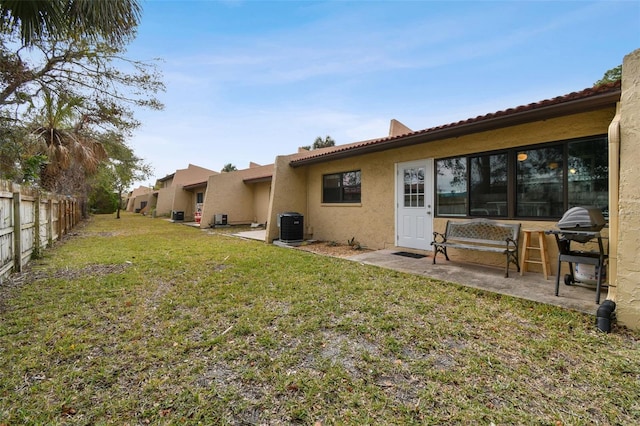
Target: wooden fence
[[30, 221]]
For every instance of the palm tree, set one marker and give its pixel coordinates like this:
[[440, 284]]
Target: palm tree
[[71, 151], [112, 20], [228, 168], [323, 143]]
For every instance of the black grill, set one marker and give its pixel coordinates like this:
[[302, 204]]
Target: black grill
[[581, 225]]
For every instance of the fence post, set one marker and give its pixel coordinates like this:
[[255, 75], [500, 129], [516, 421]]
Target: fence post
[[49, 220], [37, 243], [17, 233], [62, 218]]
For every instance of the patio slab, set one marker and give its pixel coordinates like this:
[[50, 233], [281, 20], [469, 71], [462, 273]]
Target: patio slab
[[530, 286], [259, 235]]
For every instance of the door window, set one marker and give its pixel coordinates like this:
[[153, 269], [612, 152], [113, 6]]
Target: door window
[[414, 187]]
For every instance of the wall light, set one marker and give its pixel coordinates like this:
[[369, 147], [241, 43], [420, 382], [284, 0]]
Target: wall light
[[522, 156]]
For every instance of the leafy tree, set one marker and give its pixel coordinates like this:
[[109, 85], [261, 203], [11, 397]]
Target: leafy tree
[[228, 168], [103, 200], [121, 170], [614, 74], [14, 155], [66, 86], [113, 21], [108, 83]]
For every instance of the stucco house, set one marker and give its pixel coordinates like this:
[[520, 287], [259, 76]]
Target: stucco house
[[181, 192], [238, 197], [139, 199], [525, 165]]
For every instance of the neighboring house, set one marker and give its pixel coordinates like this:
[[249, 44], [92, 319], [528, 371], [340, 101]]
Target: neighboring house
[[192, 196], [181, 192], [395, 191], [527, 164], [163, 195], [242, 196], [138, 199]]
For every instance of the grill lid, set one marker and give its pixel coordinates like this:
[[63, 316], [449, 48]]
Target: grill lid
[[586, 218]]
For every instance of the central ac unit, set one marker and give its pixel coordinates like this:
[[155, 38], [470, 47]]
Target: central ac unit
[[219, 219]]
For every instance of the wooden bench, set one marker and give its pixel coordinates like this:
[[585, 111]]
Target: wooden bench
[[482, 235]]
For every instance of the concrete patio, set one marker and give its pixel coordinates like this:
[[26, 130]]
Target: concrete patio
[[529, 286]]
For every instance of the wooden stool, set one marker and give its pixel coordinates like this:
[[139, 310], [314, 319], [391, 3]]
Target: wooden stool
[[543, 258]]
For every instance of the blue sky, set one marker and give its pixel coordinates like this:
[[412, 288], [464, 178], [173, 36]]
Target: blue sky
[[249, 80]]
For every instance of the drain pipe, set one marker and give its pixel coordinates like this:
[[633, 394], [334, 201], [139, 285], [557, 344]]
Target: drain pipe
[[605, 314]]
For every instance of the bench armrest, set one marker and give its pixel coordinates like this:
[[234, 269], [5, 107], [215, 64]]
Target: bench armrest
[[512, 244], [438, 238]]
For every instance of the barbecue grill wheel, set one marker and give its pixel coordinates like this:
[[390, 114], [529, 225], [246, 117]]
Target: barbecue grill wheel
[[568, 279]]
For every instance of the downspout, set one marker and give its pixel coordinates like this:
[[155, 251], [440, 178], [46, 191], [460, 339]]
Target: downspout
[[308, 232], [606, 310], [614, 197]]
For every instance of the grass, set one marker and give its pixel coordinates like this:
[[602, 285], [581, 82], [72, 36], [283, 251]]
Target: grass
[[140, 321]]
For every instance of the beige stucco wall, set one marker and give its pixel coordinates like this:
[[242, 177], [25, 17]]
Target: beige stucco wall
[[628, 265], [288, 194], [165, 201], [131, 202], [261, 193], [145, 199], [372, 222], [228, 194], [192, 174], [173, 197], [167, 183]]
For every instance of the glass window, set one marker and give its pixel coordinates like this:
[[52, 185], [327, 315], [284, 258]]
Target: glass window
[[588, 174], [539, 182], [488, 184], [414, 187], [451, 186], [341, 187], [199, 197], [532, 182]]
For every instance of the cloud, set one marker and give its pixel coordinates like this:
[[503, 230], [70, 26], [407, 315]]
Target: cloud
[[247, 81]]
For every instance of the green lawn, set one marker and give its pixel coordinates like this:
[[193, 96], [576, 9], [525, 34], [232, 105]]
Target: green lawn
[[141, 321]]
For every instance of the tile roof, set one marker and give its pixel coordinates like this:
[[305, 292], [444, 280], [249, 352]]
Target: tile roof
[[575, 102]]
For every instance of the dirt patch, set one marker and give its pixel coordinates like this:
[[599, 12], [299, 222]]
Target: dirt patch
[[332, 249]]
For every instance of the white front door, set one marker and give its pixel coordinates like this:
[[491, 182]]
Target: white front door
[[414, 189]]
